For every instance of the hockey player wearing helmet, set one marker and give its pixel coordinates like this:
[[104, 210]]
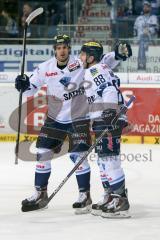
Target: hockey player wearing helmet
[[91, 52], [103, 105], [60, 74], [62, 48]]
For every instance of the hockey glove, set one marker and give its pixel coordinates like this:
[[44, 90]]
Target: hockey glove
[[108, 115], [123, 51], [22, 83], [113, 124]]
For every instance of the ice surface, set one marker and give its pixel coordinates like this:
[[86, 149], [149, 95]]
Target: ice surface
[[59, 221]]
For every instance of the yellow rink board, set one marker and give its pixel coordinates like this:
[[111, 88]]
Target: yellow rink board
[[152, 140], [12, 137], [131, 139], [124, 139]]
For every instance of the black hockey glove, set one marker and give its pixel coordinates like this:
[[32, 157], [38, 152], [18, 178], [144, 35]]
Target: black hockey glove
[[113, 124], [108, 115], [22, 83], [123, 51], [122, 121]]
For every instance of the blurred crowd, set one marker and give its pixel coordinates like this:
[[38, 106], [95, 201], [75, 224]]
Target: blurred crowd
[[12, 23], [133, 7], [62, 12], [127, 12]]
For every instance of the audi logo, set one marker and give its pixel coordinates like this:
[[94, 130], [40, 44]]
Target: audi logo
[[3, 77]]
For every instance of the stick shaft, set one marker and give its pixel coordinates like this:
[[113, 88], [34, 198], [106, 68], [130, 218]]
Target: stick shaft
[[28, 20], [20, 96]]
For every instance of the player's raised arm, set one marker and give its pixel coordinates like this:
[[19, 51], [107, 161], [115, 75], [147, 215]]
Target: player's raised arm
[[121, 52]]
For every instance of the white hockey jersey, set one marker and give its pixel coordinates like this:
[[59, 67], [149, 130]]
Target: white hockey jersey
[[64, 87], [149, 23], [101, 94]]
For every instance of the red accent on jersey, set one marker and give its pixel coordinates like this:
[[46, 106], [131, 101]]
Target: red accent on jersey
[[40, 166], [73, 66], [51, 74]]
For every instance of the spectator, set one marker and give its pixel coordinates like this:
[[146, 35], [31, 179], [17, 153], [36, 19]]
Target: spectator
[[137, 6], [10, 27], [146, 31], [35, 29], [27, 9]]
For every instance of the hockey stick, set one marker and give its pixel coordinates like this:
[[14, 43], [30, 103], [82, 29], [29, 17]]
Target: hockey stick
[[123, 110], [33, 15]]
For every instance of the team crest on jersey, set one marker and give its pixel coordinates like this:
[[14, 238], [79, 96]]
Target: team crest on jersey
[[73, 66], [65, 81], [94, 71]]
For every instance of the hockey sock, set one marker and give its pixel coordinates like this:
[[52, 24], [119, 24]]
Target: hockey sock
[[83, 181], [43, 168], [83, 172], [41, 180]]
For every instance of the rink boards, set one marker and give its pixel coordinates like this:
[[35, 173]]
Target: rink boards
[[124, 139], [144, 114]]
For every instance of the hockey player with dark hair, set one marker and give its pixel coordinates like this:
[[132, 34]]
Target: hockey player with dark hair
[[103, 99], [63, 75]]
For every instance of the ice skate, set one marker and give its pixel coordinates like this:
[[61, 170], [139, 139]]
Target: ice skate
[[97, 207], [37, 201], [117, 207], [84, 203]]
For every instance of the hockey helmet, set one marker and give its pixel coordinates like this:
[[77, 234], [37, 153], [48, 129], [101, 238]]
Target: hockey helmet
[[61, 39], [94, 49]]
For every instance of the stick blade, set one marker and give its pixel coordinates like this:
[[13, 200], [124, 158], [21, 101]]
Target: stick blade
[[34, 14]]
